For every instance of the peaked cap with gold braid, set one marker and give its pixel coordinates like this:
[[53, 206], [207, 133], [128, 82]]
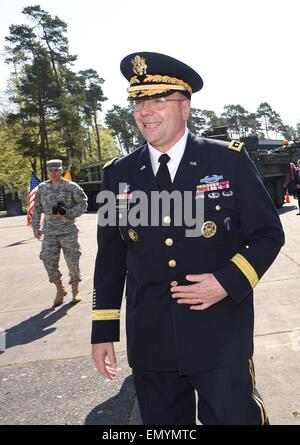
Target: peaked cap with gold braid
[[154, 75]]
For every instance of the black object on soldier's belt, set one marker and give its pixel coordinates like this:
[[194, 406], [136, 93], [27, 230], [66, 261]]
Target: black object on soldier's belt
[[59, 208]]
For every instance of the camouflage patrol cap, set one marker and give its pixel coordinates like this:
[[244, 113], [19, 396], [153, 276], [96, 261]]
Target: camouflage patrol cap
[[54, 163]]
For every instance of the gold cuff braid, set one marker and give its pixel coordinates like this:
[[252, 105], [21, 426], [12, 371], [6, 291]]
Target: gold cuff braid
[[106, 314], [246, 268]]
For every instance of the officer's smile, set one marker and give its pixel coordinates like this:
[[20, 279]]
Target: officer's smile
[[151, 124]]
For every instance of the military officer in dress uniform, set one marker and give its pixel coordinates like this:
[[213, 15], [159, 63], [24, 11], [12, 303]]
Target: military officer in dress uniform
[[61, 201], [189, 313]]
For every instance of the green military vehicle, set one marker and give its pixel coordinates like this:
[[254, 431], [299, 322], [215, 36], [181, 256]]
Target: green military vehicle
[[294, 149], [272, 160], [90, 181], [274, 169], [2, 198]]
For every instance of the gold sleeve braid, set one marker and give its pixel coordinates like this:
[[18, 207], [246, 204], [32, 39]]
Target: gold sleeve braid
[[246, 268], [106, 314]]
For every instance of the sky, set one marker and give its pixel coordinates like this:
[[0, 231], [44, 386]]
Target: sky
[[246, 51]]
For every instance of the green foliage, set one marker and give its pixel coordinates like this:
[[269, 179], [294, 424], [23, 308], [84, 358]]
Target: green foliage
[[266, 122], [91, 88], [108, 146], [121, 122], [108, 143], [15, 169], [297, 132], [55, 107], [269, 119], [56, 110], [236, 118], [202, 120]]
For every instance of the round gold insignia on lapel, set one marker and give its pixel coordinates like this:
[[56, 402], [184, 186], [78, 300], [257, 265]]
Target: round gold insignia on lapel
[[209, 229], [133, 235]]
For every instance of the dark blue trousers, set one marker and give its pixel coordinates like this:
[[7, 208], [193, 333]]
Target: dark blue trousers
[[226, 396]]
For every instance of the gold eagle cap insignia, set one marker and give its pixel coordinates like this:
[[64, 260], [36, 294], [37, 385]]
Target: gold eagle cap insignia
[[139, 65]]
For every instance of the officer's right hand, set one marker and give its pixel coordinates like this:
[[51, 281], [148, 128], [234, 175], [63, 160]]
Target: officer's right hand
[[38, 235], [104, 358]]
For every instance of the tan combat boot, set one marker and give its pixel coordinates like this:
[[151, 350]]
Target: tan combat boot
[[61, 292], [75, 291]]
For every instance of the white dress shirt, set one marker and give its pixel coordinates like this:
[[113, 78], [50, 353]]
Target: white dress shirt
[[175, 153]]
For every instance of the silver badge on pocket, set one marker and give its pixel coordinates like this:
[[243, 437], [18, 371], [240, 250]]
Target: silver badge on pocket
[[227, 193], [214, 195]]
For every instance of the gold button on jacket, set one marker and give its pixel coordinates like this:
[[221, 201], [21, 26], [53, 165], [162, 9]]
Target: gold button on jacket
[[236, 244], [169, 242], [172, 263]]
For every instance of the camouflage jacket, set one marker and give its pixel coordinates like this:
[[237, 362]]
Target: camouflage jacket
[[48, 196]]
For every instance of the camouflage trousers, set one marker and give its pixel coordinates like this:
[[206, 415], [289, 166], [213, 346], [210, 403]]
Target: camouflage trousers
[[50, 254]]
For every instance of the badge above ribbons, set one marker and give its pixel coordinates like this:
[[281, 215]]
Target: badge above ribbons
[[211, 179]]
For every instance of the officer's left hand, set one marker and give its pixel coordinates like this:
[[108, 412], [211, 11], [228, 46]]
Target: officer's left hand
[[204, 293]]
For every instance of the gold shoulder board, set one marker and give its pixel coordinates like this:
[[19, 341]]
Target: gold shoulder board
[[109, 163], [236, 146]]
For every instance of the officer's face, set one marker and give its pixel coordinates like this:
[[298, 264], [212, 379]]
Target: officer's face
[[163, 128], [55, 174]]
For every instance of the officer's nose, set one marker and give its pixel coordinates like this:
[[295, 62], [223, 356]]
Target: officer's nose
[[147, 109]]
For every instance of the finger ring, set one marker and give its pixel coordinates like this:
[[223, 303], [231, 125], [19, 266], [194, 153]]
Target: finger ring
[[197, 300]]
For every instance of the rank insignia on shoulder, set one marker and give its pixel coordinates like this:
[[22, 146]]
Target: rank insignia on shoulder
[[109, 163], [236, 146]]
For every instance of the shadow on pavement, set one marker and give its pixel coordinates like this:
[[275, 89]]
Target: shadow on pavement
[[117, 410], [35, 327], [18, 243]]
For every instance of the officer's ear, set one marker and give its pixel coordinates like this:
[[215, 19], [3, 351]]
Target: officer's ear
[[186, 109]]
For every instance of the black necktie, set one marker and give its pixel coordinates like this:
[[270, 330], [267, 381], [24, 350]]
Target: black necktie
[[163, 177]]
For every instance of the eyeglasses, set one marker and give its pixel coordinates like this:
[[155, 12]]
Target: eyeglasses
[[155, 104]]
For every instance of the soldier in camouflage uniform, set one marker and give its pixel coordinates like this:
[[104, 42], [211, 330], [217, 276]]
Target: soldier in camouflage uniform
[[61, 202]]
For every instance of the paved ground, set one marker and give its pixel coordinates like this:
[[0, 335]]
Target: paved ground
[[46, 375]]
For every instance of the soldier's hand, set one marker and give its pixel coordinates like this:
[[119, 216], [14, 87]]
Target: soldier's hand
[[38, 235], [205, 292], [104, 357]]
